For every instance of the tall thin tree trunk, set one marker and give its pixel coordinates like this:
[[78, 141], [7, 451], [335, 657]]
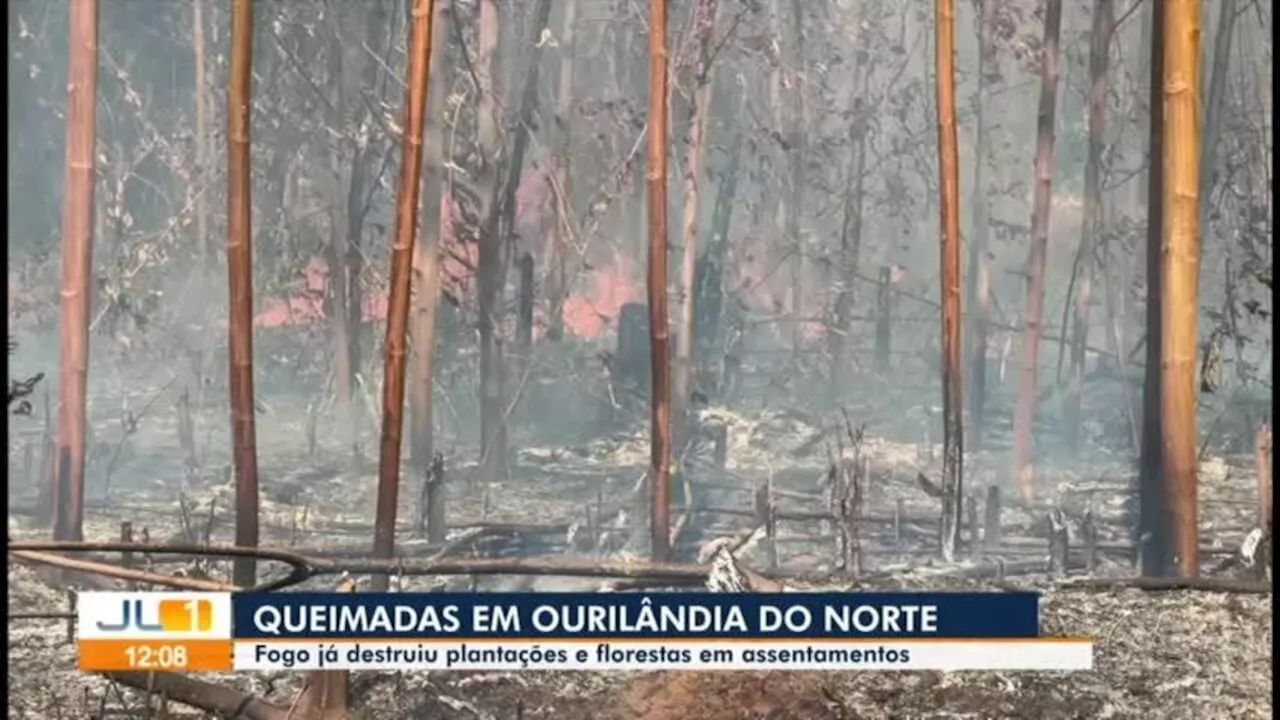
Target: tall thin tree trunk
[[850, 239], [949, 205], [978, 291], [704, 30], [489, 278], [501, 222], [406, 225], [798, 133], [202, 350], [564, 132], [77, 269], [777, 207], [240, 285], [659, 354], [363, 159], [1153, 534], [1215, 104], [1024, 416], [1115, 281], [1092, 227], [1180, 280], [202, 136], [427, 270], [341, 165]]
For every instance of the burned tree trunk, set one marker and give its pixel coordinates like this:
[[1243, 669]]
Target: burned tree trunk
[[659, 356], [978, 294], [200, 354], [1180, 280], [797, 132], [524, 305], [426, 299], [77, 267], [777, 205], [1153, 532], [489, 277], [1024, 415], [336, 249], [202, 134], [501, 224], [705, 22], [401, 269], [949, 186], [559, 280], [709, 291], [1091, 229], [850, 244], [240, 285], [1215, 104]]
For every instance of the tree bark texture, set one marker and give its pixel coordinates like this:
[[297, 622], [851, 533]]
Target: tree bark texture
[[426, 265], [1042, 203], [1092, 228], [949, 187], [1180, 280], [659, 333], [406, 224], [77, 270], [240, 285]]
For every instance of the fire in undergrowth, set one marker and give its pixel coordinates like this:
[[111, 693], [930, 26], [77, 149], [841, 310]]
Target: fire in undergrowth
[[754, 279]]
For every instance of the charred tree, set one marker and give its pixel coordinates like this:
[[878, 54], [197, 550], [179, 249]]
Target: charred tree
[[202, 133], [203, 277], [978, 289], [777, 208], [77, 269], [1024, 415], [709, 293], [341, 166], [240, 285], [524, 304], [1153, 533], [559, 280], [364, 158], [426, 298], [1215, 104], [489, 276], [949, 187], [850, 241], [1092, 227], [1180, 280], [406, 225], [501, 221], [681, 385], [659, 334], [797, 146]]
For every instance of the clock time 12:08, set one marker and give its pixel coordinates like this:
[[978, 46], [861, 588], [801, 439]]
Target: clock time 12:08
[[156, 657]]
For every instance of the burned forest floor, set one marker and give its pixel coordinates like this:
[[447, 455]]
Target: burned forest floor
[[1169, 655], [1178, 654]]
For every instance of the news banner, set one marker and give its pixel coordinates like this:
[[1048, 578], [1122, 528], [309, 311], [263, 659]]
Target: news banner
[[569, 631]]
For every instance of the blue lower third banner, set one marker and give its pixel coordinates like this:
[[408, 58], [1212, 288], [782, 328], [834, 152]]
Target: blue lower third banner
[[671, 631]]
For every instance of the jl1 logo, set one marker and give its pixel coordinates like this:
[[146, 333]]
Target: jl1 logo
[[172, 616]]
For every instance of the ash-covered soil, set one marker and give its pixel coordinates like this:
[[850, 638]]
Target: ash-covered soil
[[1192, 655]]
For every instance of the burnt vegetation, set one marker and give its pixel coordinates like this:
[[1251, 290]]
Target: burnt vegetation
[[458, 295], [20, 390]]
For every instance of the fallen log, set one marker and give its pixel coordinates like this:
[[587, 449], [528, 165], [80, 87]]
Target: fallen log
[[120, 573], [210, 697]]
